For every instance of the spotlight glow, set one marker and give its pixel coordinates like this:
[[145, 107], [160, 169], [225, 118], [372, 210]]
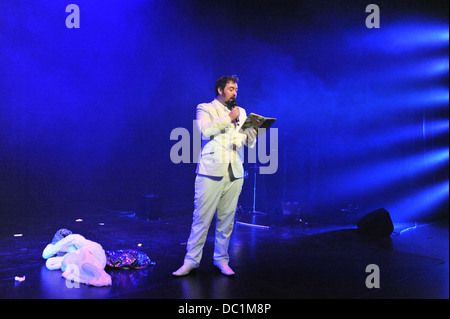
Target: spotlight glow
[[379, 175], [436, 127], [437, 157], [404, 36], [433, 68], [436, 97], [420, 202]]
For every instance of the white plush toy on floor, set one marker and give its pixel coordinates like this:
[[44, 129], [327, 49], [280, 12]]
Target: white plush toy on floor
[[80, 259]]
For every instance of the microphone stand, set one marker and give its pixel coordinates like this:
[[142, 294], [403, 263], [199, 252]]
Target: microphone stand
[[254, 212], [231, 105]]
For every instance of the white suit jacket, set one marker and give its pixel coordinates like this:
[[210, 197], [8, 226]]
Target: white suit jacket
[[222, 142]]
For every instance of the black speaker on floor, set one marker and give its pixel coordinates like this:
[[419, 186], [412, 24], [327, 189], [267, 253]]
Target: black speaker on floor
[[377, 224]]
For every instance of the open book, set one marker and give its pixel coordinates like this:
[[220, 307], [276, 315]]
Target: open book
[[257, 121]]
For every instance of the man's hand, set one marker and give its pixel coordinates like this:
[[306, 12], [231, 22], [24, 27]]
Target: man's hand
[[251, 133], [234, 114]]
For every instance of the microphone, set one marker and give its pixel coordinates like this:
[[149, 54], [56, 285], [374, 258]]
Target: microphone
[[232, 104]]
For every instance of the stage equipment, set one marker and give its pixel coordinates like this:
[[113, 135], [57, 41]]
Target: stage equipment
[[377, 224], [253, 213], [292, 213]]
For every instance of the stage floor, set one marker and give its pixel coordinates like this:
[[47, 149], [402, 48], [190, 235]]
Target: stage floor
[[282, 262]]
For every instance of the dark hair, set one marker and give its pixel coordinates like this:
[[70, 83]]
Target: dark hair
[[222, 82]]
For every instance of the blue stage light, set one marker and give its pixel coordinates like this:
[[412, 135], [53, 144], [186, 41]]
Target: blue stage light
[[436, 127], [444, 36], [421, 203], [439, 66], [414, 98], [433, 67], [392, 137], [437, 157], [402, 37], [377, 175]]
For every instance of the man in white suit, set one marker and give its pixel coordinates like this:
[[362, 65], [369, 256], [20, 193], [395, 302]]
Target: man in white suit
[[219, 175]]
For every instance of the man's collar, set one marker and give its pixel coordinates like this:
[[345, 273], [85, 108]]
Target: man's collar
[[218, 103]]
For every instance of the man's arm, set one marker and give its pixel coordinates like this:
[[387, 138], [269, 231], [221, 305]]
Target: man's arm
[[209, 126]]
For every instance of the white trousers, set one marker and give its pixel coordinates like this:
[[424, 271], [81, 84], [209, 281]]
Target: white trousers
[[213, 194]]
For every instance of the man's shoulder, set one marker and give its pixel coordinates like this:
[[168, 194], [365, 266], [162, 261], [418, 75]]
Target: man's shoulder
[[207, 105]]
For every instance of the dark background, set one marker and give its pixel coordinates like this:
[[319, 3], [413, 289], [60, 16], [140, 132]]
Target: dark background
[[86, 114]]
